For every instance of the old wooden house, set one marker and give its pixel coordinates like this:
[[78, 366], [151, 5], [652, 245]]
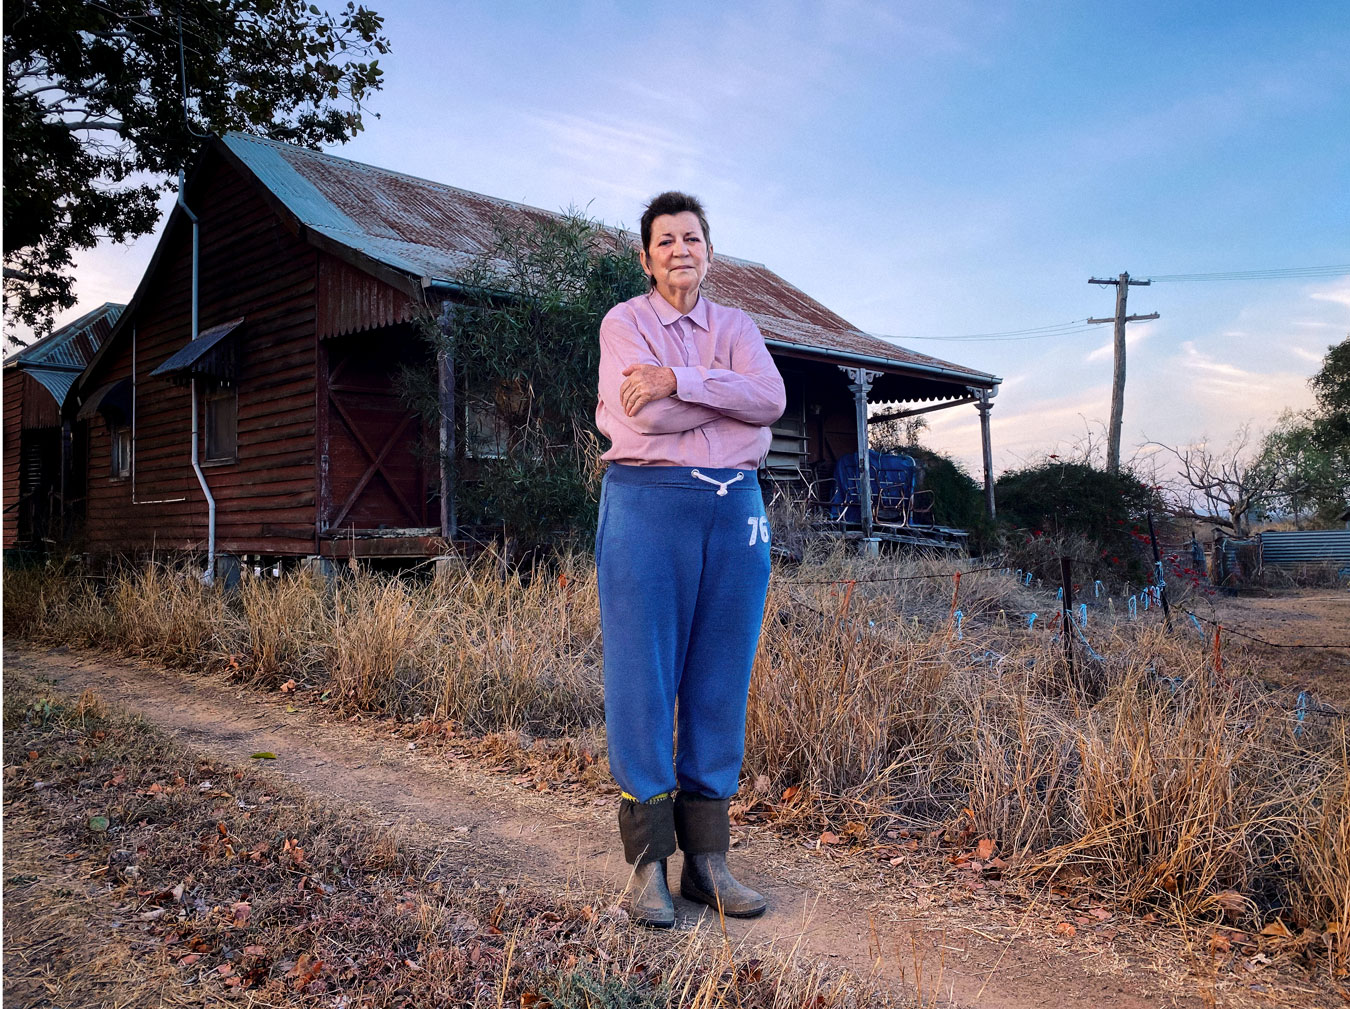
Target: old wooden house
[[247, 401], [43, 484]]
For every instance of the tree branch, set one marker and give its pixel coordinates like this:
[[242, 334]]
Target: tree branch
[[110, 125]]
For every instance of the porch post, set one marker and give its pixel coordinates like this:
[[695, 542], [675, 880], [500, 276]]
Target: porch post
[[445, 381], [984, 406], [860, 383]]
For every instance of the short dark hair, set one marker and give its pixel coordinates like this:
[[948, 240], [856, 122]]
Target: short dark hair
[[673, 202]]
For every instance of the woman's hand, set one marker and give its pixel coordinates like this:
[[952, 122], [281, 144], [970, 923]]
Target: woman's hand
[[644, 383]]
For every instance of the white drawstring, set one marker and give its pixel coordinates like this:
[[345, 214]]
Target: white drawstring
[[721, 485]]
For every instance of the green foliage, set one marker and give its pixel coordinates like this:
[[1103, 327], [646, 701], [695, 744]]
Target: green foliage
[[1072, 501], [524, 343], [958, 499], [1307, 455], [93, 93], [583, 990]]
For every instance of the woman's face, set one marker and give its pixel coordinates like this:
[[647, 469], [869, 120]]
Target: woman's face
[[678, 256]]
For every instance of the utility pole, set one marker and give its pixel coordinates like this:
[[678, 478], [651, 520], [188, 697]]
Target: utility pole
[[1122, 284]]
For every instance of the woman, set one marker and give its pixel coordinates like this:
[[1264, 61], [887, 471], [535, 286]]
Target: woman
[[687, 391]]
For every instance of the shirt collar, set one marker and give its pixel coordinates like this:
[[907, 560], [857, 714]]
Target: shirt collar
[[669, 314]]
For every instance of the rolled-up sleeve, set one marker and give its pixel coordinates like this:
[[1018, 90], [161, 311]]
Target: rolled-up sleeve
[[751, 390], [621, 346]]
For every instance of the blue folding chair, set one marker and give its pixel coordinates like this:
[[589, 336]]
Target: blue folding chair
[[846, 504]]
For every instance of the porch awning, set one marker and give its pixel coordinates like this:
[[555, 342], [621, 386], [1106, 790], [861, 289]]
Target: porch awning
[[212, 355], [112, 400]]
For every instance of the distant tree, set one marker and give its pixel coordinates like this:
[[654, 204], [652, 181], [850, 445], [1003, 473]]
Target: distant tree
[[525, 349], [1308, 453], [95, 117], [1226, 486], [1331, 388], [898, 435]]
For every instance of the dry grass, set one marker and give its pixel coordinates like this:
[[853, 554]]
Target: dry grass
[[1175, 786], [205, 883]]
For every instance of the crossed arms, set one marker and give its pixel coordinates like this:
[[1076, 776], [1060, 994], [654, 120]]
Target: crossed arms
[[750, 391]]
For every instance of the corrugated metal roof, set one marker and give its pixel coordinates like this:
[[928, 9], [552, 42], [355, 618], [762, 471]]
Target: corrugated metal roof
[[186, 359], [432, 231], [58, 358], [1309, 546], [74, 344]]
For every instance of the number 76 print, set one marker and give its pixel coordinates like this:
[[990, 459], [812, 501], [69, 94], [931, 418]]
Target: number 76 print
[[759, 527]]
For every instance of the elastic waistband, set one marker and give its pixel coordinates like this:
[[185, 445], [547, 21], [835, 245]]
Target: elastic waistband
[[709, 478]]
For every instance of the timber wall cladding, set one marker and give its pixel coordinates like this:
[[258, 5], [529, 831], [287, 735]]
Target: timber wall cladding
[[13, 412], [251, 266]]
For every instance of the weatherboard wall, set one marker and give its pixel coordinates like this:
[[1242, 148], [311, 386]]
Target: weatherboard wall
[[13, 414], [251, 266]]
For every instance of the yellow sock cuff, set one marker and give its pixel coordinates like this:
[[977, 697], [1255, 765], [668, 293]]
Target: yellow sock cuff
[[650, 802]]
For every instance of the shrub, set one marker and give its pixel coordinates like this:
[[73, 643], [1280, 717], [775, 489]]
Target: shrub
[[1106, 513]]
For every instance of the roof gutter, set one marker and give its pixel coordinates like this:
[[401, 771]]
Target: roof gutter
[[928, 369], [452, 287]]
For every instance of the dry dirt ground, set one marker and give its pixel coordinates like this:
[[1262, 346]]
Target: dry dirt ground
[[975, 949], [1301, 617]]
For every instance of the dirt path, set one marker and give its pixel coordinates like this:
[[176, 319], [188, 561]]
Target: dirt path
[[554, 841], [1295, 617]]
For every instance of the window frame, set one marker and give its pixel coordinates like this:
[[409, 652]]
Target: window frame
[[119, 451], [212, 395]]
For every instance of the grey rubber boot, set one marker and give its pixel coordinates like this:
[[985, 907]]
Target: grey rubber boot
[[648, 832], [704, 831], [650, 903]]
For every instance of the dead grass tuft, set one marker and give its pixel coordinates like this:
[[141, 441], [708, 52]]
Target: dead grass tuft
[[181, 880], [1177, 786]]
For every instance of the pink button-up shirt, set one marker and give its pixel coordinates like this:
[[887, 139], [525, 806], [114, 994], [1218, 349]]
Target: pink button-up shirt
[[728, 389]]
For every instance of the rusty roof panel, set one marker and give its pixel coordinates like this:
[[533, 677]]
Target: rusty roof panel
[[431, 232], [73, 345]]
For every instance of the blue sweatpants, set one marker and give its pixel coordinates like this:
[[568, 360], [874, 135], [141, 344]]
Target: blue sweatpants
[[683, 568]]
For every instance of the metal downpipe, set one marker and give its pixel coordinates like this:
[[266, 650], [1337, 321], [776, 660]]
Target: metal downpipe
[[209, 575]]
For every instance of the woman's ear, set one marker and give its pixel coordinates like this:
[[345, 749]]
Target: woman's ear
[[642, 258]]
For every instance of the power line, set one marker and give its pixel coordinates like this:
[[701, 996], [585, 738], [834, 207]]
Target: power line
[[1290, 273], [1031, 333]]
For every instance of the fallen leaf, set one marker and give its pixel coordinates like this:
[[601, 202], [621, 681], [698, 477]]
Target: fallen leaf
[[790, 792], [985, 849], [189, 960], [240, 912], [98, 824], [291, 709], [255, 951], [288, 687], [263, 755], [829, 837], [1278, 929], [761, 783], [1065, 929]]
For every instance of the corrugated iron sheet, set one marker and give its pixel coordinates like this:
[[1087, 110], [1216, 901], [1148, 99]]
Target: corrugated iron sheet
[[352, 301], [1320, 546], [432, 231], [58, 358], [74, 344]]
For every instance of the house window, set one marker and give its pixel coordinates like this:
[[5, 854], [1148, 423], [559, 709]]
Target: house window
[[222, 414], [120, 435], [484, 431]]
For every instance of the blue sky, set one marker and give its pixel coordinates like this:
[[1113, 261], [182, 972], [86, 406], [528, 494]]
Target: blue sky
[[931, 170]]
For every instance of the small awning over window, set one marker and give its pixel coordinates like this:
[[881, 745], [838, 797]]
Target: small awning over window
[[213, 355], [112, 401]]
